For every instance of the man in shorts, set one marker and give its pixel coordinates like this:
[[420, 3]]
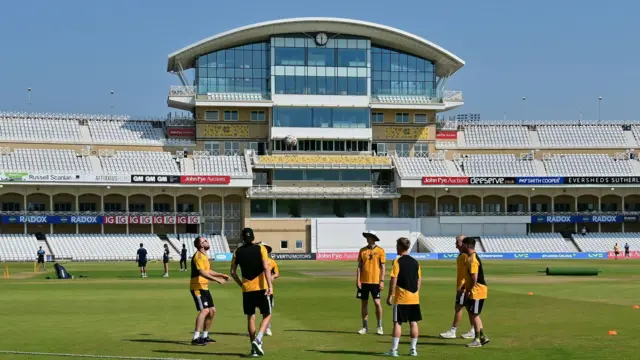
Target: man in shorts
[[141, 258], [165, 260], [476, 291], [256, 286], [404, 296], [627, 253], [275, 273], [41, 259], [183, 258], [616, 250], [460, 294], [370, 279], [201, 273]]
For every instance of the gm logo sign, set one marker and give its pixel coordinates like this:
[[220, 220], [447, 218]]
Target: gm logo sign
[[521, 256]]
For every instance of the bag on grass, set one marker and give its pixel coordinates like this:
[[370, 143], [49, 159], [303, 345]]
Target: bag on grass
[[61, 272]]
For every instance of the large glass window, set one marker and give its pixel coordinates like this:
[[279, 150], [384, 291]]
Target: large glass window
[[352, 57], [396, 73], [321, 57], [322, 175], [321, 117], [241, 69], [290, 56]]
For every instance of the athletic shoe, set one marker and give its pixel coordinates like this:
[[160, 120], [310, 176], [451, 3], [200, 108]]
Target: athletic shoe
[[413, 352], [470, 335], [484, 340], [268, 332], [448, 335], [474, 344], [362, 331], [392, 353], [208, 340], [380, 332], [165, 275], [257, 347], [198, 342]]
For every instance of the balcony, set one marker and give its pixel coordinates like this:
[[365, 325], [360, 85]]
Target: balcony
[[294, 192], [176, 90]]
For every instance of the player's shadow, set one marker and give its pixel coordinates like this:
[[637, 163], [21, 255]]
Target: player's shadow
[[348, 352], [322, 331], [429, 343], [201, 353], [159, 341]]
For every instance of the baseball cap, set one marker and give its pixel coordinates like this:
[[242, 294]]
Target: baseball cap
[[247, 235]]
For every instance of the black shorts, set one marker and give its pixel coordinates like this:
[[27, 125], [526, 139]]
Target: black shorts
[[256, 299], [366, 289], [202, 299], [406, 313], [183, 259], [165, 260], [40, 259], [142, 263], [461, 297], [626, 253], [474, 306]]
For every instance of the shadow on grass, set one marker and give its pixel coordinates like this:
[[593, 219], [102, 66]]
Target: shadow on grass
[[159, 341], [200, 353], [427, 343], [213, 334], [348, 352], [323, 331]]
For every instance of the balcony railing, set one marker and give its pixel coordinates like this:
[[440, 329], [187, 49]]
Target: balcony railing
[[452, 95], [321, 192], [177, 90]]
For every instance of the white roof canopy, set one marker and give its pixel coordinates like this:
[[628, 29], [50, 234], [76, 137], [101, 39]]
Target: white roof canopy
[[446, 63]]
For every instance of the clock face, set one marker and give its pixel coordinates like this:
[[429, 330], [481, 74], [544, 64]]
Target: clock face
[[321, 39]]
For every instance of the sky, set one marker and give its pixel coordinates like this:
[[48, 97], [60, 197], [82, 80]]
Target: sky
[[560, 55]]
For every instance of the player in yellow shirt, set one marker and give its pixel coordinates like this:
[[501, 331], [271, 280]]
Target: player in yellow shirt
[[616, 250], [460, 294], [404, 296], [256, 286], [275, 273], [370, 279], [201, 273], [476, 291]]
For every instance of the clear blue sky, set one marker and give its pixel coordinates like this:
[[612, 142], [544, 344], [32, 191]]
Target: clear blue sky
[[561, 55]]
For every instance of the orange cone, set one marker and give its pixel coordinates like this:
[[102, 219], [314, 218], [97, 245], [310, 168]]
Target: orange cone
[[530, 293], [636, 307], [612, 332]]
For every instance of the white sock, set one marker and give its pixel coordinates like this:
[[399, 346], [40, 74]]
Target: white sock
[[269, 327], [205, 334], [473, 330], [196, 334], [394, 343], [453, 329], [259, 337], [379, 323], [414, 342]]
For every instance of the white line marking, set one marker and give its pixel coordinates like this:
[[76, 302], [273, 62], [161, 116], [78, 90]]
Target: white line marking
[[88, 356]]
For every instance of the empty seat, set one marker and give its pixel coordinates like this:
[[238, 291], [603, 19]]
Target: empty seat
[[497, 165], [127, 132], [52, 161], [119, 247], [140, 162], [582, 136], [533, 243], [489, 136], [18, 247], [221, 165], [587, 165], [218, 243], [421, 166], [601, 242]]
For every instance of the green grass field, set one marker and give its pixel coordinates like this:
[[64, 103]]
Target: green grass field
[[114, 312]]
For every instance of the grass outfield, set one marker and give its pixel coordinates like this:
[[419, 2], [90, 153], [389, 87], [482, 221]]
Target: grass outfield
[[114, 312]]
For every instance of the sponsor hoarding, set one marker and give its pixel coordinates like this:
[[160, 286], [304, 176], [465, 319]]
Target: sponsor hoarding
[[327, 256], [596, 180], [223, 257], [181, 132], [632, 254], [446, 135], [445, 180], [205, 179], [492, 180], [155, 179], [47, 219], [572, 219], [276, 256], [6, 176], [540, 180], [152, 219], [525, 256]]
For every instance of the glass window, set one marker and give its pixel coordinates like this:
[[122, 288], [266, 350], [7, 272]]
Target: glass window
[[288, 175], [230, 115], [257, 115], [231, 148], [403, 150], [421, 150], [321, 57], [352, 57], [62, 207], [355, 175], [213, 147], [420, 118], [290, 56], [322, 175], [299, 244], [261, 208], [402, 118], [321, 117], [377, 118], [212, 115], [284, 244], [84, 207], [409, 75]]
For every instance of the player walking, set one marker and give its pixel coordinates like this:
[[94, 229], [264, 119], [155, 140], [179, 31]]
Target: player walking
[[460, 295], [275, 273], [141, 258], [256, 286], [404, 296], [616, 250], [201, 273], [370, 279], [626, 250], [183, 258], [165, 260], [476, 288], [41, 259]]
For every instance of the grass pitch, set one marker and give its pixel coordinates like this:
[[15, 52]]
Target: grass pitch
[[113, 312]]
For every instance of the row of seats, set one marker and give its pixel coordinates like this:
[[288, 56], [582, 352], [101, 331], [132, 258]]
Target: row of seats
[[419, 166], [18, 247], [323, 160], [220, 165], [533, 243], [84, 247], [565, 136], [128, 132], [497, 165], [600, 242], [56, 161], [587, 165], [41, 130], [131, 162], [219, 244], [497, 137]]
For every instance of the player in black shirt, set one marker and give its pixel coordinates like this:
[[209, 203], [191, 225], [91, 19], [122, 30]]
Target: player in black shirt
[[41, 258], [141, 258], [165, 260], [183, 258], [626, 250]]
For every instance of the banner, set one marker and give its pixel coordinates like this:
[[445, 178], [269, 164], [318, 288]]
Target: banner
[[152, 219], [48, 219], [329, 256], [121, 219], [596, 180], [492, 180], [572, 219], [223, 257], [293, 256], [63, 178], [417, 256], [446, 135], [181, 132], [205, 179], [540, 180], [532, 256], [155, 179], [445, 180], [632, 254]]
